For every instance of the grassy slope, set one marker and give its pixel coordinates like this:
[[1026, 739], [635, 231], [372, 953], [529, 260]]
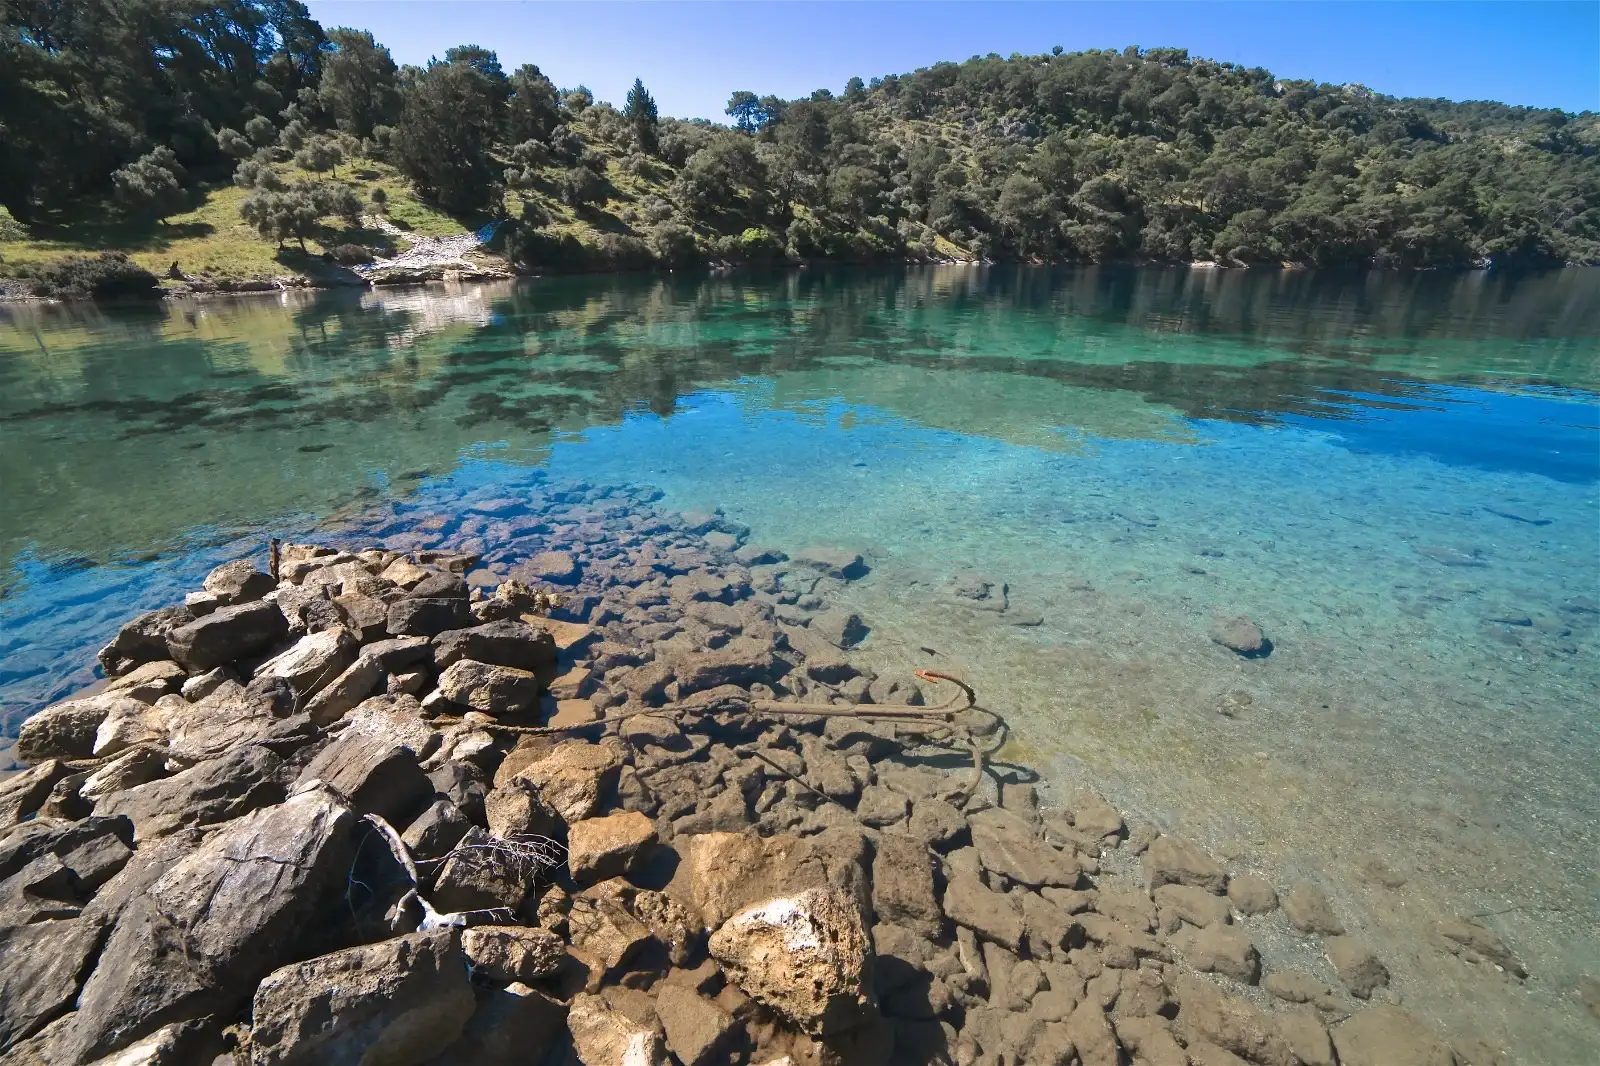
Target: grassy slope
[[213, 240]]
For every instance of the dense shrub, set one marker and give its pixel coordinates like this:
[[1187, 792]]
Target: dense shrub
[[108, 276], [351, 254]]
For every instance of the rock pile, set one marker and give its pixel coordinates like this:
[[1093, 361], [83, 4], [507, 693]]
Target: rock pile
[[325, 819]]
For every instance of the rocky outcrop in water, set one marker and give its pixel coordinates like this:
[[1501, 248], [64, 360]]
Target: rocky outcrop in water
[[374, 812]]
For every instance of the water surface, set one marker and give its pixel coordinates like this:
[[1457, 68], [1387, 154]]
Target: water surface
[[1397, 476]]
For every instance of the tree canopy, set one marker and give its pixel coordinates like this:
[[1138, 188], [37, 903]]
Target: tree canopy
[[1135, 155]]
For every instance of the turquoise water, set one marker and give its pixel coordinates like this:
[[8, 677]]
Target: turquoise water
[[1396, 476]]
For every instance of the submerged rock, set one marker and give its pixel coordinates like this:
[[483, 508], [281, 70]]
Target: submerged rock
[[1241, 635]]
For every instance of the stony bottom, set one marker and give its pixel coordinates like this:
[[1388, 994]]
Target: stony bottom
[[514, 798]]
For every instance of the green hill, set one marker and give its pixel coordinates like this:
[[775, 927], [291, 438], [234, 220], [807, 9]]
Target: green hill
[[226, 137]]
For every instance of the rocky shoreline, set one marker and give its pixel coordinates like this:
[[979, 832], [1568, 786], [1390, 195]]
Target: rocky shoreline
[[529, 793]]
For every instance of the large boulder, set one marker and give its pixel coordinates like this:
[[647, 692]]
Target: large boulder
[[227, 634], [398, 1002], [599, 848], [1174, 861], [313, 662], [238, 582], [216, 790], [67, 730], [805, 955], [376, 775], [513, 952], [489, 688], [515, 644], [198, 940], [574, 778], [42, 967], [142, 640], [603, 1036], [22, 794]]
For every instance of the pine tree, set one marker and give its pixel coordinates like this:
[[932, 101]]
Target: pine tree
[[641, 111]]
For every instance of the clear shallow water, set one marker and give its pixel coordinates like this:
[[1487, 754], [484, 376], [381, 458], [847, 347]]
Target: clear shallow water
[[1397, 476]]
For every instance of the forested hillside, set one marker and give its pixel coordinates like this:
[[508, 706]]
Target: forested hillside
[[124, 123]]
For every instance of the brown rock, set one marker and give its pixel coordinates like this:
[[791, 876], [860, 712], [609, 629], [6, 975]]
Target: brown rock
[[237, 582], [489, 688], [1252, 894], [513, 952], [22, 794], [602, 1036], [1464, 936], [1175, 861], [1309, 911], [227, 634], [1307, 1036], [603, 928], [598, 848], [1382, 1035], [377, 776], [199, 938], [1223, 949], [574, 777], [805, 955], [1357, 965], [991, 915], [345, 692], [149, 682], [698, 1030], [937, 824], [880, 807], [902, 886], [1206, 1013], [1091, 1033], [67, 730], [514, 644], [1092, 815], [1242, 636], [1007, 845], [1194, 905], [557, 567]]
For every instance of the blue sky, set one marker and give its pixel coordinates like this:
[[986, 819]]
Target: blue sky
[[691, 55]]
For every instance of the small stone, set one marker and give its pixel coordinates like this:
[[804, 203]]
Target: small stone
[[1252, 894], [598, 848], [1358, 966], [513, 952], [1241, 635], [1309, 911], [557, 567]]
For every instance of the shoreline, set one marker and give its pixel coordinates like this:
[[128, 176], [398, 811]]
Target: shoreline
[[277, 285], [677, 614]]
